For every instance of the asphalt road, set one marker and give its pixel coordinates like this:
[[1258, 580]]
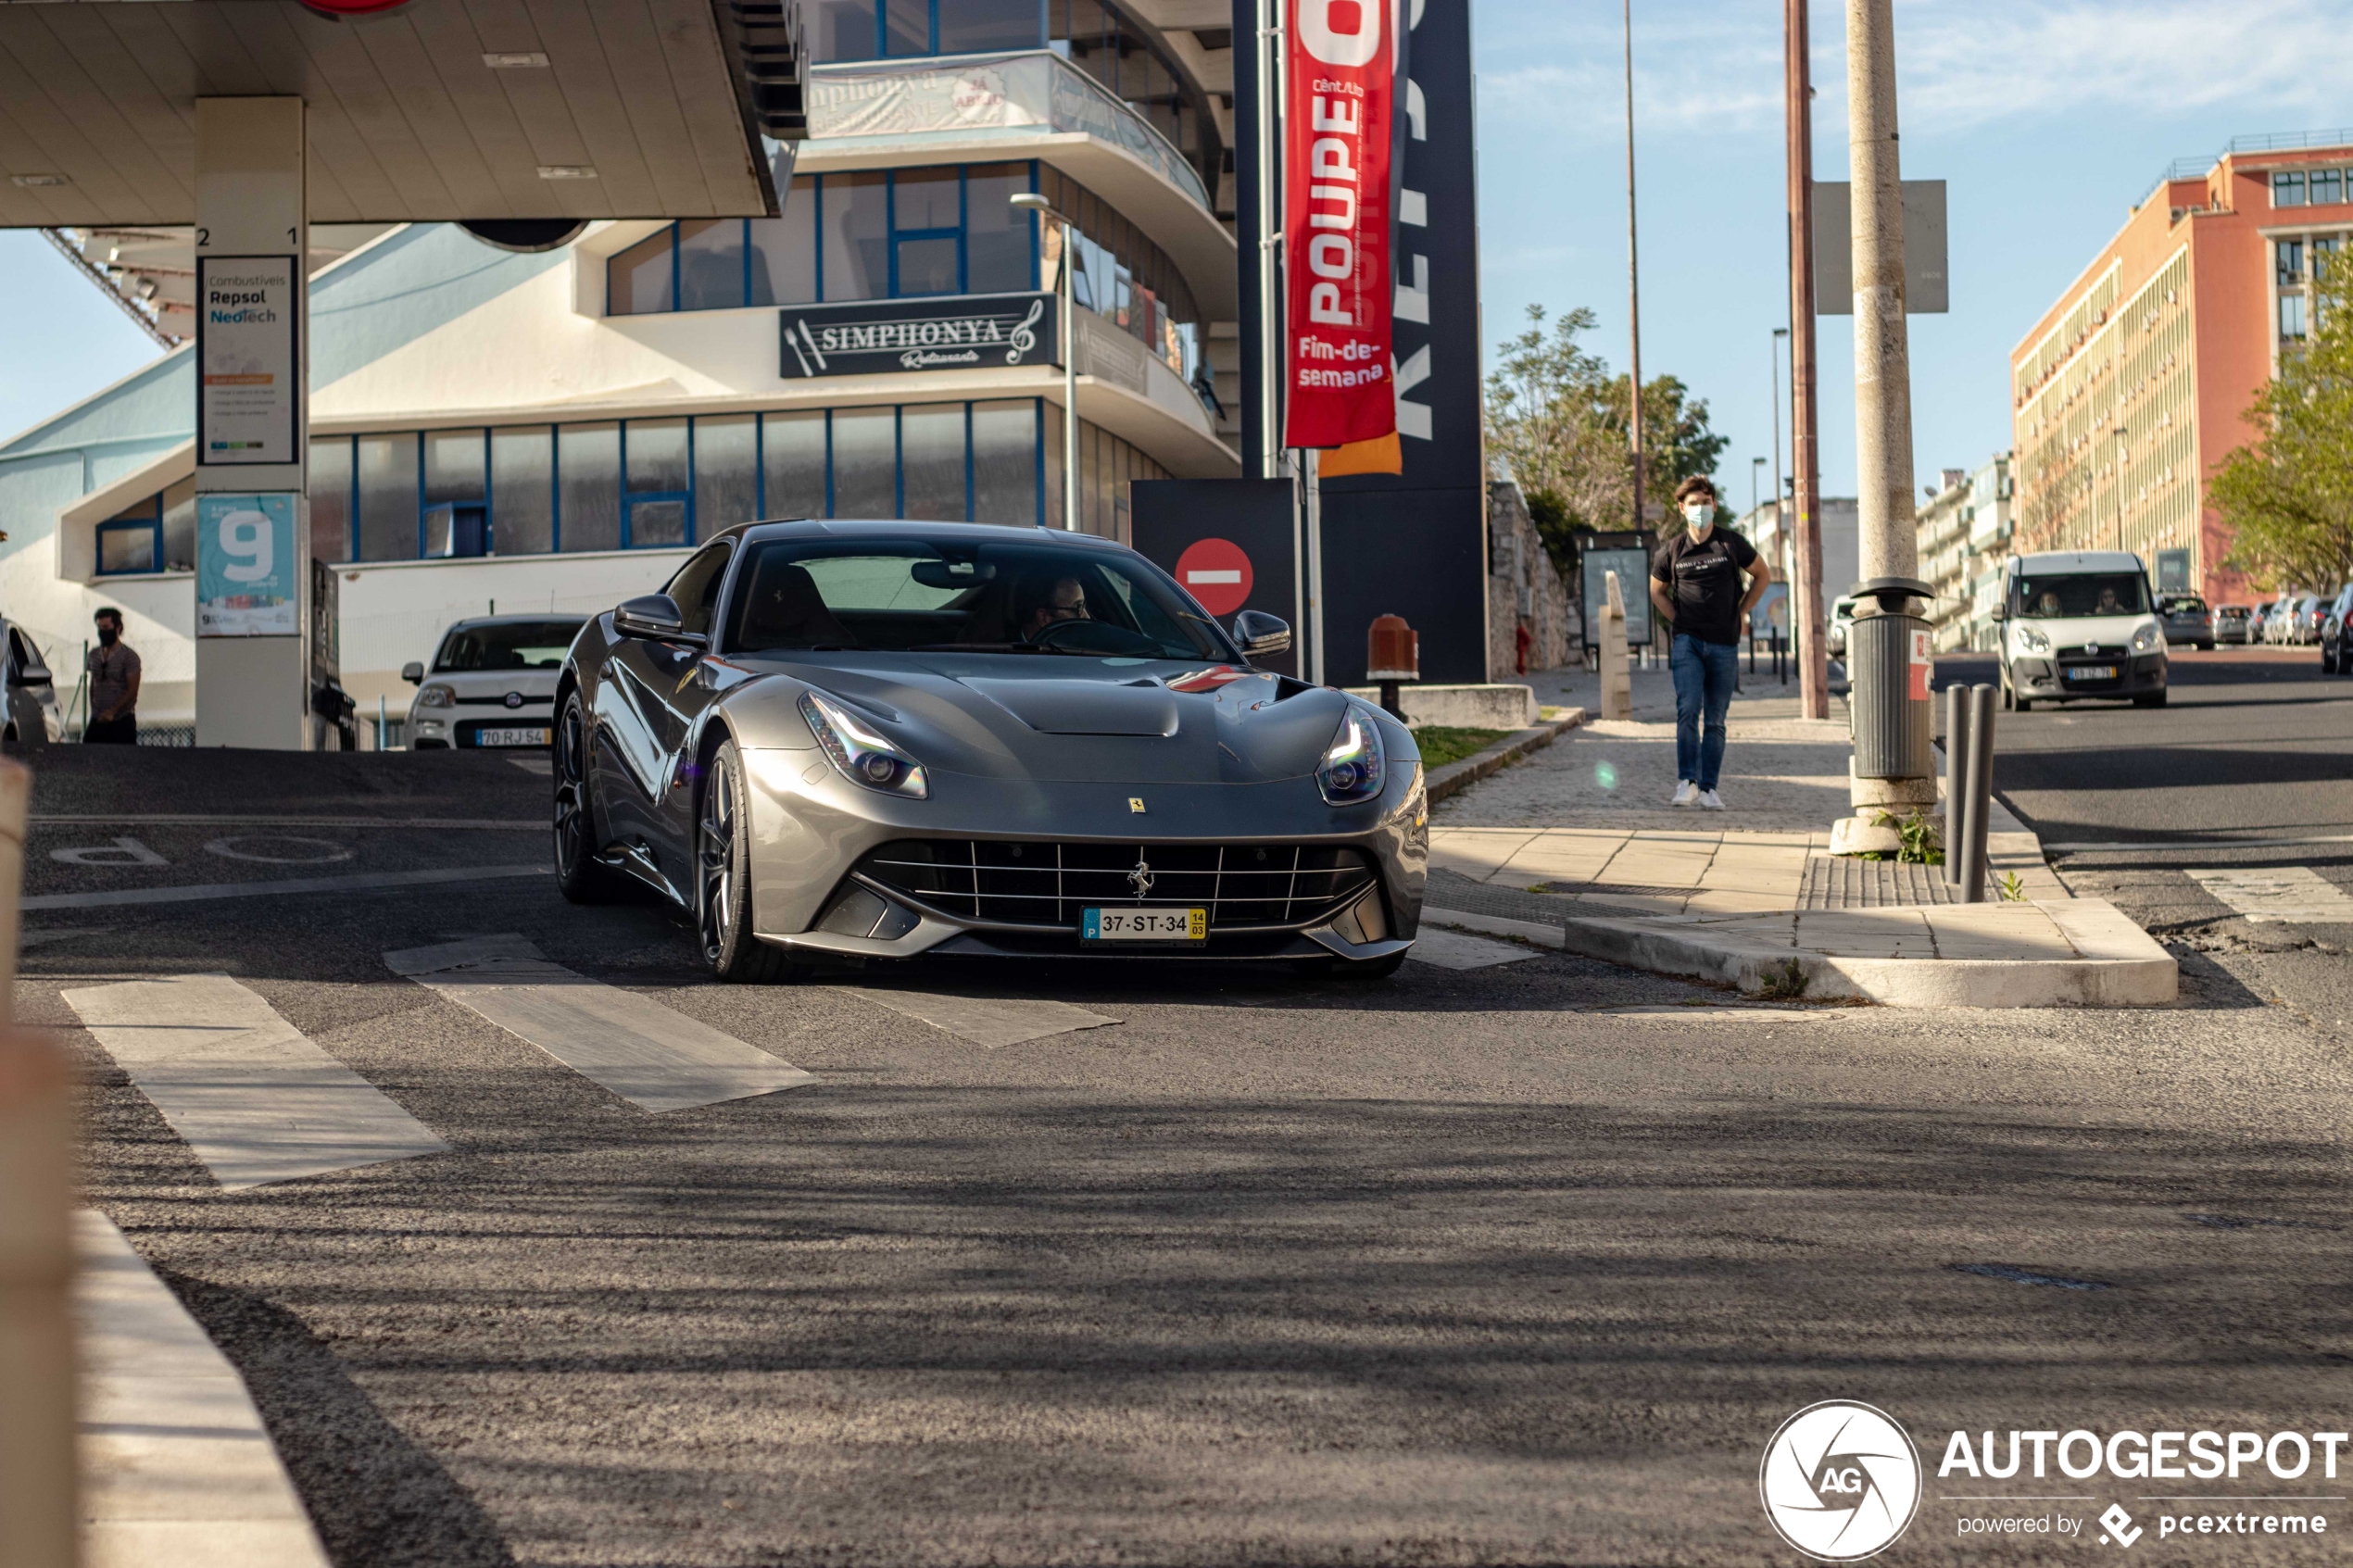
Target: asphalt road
[[1513, 1264], [2248, 770]]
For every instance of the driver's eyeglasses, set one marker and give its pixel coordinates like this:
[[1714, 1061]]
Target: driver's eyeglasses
[[1067, 612]]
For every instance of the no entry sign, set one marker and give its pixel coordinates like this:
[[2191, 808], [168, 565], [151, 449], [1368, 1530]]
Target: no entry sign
[[1217, 572]]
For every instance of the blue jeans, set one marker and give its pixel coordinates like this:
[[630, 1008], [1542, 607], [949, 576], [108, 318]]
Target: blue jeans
[[1705, 675]]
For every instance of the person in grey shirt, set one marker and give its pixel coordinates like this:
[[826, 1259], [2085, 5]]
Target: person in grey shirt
[[114, 685]]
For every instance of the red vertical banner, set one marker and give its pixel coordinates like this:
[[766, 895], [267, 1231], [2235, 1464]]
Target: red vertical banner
[[1335, 196]]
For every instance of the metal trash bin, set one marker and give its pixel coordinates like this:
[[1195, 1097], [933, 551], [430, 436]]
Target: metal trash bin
[[1888, 669]]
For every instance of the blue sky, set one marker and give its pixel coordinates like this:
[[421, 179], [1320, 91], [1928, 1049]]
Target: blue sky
[[2046, 119]]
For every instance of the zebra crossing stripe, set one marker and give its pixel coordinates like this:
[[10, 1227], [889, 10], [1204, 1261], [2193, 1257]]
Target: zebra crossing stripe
[[652, 1056], [250, 1093]]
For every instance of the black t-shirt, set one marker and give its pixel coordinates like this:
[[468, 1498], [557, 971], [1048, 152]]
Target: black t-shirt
[[1704, 581]]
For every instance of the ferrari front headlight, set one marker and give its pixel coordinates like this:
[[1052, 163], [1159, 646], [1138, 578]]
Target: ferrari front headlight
[[859, 753], [2032, 641], [1353, 769], [435, 696]]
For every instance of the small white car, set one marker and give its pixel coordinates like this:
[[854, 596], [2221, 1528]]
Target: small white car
[[493, 683], [2080, 624]]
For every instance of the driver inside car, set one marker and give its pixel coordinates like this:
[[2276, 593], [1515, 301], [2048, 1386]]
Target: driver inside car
[[1066, 602]]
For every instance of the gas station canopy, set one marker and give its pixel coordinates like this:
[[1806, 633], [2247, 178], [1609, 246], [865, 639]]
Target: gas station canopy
[[422, 111]]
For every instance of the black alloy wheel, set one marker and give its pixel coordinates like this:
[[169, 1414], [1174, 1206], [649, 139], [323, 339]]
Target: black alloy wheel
[[723, 878], [579, 876]]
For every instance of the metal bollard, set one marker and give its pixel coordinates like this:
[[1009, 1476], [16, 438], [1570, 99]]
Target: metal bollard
[[1956, 718], [1977, 772]]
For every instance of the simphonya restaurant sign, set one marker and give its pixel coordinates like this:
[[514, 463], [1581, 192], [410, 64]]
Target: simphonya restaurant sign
[[951, 332]]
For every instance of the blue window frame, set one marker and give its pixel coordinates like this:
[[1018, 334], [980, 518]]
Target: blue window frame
[[131, 542], [731, 263]]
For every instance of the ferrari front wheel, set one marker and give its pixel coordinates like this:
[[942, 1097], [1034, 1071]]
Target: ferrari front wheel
[[722, 879], [579, 877]]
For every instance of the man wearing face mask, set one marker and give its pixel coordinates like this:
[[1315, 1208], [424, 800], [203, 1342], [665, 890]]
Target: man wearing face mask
[[114, 686], [1695, 583]]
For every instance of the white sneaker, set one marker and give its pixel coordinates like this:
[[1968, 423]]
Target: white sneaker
[[1685, 793], [1710, 801]]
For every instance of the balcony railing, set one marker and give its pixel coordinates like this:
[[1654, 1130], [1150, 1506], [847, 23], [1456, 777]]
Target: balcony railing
[[978, 94]]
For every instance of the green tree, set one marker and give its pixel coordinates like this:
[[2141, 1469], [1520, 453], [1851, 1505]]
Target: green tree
[[1559, 417], [2288, 495]]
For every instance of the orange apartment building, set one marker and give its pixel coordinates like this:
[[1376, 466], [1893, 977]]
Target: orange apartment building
[[2129, 391]]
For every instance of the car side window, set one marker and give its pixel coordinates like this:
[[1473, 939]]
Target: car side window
[[695, 588], [18, 657]]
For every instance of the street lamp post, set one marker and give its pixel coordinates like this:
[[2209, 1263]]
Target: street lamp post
[[1031, 202]]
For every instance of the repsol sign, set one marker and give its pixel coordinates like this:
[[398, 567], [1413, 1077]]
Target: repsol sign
[[957, 333]]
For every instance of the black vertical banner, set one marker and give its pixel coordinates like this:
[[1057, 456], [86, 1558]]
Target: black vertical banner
[[1414, 544], [1246, 132]]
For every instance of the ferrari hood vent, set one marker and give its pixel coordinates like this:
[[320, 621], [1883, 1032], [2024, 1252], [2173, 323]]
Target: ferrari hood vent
[[1084, 707]]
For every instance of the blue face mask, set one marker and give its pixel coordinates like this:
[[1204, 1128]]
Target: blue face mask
[[1699, 518]]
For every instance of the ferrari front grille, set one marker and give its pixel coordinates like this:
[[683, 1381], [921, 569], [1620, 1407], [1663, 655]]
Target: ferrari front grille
[[1046, 884]]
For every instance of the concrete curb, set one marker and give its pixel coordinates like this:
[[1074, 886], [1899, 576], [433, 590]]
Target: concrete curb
[[2120, 966], [1455, 777]]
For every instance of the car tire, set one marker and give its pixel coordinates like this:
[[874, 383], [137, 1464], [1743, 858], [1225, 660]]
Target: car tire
[[579, 877], [2150, 699], [722, 879], [2206, 647]]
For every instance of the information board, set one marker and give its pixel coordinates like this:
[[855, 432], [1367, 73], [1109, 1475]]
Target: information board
[[246, 562], [247, 363], [1634, 569]]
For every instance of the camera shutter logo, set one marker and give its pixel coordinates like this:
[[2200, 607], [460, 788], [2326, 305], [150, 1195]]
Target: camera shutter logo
[[1840, 1481]]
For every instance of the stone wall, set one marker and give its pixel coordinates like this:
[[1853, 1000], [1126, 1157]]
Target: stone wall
[[1523, 589]]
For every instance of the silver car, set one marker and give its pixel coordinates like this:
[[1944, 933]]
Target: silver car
[[33, 717], [492, 685], [879, 740]]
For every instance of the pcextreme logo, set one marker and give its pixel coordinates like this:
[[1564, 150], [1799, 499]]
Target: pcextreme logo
[[1840, 1481]]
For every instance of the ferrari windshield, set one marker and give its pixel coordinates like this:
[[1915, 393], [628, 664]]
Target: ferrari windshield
[[939, 596], [2091, 593]]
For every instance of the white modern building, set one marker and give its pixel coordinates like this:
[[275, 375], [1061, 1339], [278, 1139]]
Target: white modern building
[[556, 429], [1771, 530], [1964, 531]]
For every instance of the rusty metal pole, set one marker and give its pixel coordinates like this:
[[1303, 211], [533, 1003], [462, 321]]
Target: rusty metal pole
[[1806, 625]]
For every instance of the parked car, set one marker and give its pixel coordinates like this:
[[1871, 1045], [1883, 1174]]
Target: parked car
[[2336, 657], [493, 683], [2231, 622], [2309, 613], [878, 740], [2186, 620], [32, 718], [1841, 616], [2077, 625]]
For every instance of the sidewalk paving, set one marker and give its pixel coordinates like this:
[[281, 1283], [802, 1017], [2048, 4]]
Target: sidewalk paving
[[1578, 845]]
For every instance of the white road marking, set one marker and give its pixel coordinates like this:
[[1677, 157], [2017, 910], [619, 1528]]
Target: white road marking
[[992, 1022], [1453, 950], [2281, 895], [226, 848], [32, 938], [364, 882], [176, 1464], [122, 852], [250, 1093], [652, 1056]]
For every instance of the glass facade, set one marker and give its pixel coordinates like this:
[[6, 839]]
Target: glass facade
[[156, 533], [908, 233], [656, 483], [876, 234]]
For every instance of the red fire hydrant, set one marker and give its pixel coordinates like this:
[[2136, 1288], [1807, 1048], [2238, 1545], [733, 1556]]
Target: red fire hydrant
[[1393, 654]]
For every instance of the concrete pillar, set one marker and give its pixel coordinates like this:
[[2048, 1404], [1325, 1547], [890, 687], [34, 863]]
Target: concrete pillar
[[1882, 352], [253, 440]]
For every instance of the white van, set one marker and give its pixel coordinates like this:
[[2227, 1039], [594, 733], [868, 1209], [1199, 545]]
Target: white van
[[2082, 623]]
